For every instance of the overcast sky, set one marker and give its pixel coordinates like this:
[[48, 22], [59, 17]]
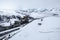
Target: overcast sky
[[12, 4]]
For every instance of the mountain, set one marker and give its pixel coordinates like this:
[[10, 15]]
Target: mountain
[[31, 13], [42, 20]]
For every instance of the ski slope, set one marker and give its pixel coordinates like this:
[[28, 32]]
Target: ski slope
[[49, 30]]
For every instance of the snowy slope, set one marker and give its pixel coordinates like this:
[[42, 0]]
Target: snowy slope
[[34, 14], [49, 30], [40, 15], [7, 15], [10, 13]]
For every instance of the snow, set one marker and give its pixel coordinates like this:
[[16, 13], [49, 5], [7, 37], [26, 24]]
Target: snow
[[51, 24], [10, 13], [12, 21], [5, 24], [49, 30], [40, 15]]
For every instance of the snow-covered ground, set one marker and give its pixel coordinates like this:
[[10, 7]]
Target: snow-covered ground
[[49, 30]]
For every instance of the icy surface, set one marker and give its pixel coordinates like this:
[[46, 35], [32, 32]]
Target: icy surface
[[49, 30]]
